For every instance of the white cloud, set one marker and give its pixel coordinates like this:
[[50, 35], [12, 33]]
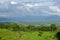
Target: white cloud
[[28, 5], [55, 9], [32, 5], [36, 5], [13, 2]]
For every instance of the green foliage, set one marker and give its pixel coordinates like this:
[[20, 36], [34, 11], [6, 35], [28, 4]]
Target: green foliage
[[21, 27], [40, 33], [12, 35], [0, 38], [15, 31], [31, 27], [53, 27]]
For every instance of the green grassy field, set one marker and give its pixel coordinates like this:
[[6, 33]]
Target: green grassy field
[[11, 35]]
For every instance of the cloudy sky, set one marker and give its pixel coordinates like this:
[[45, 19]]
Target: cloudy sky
[[21, 8]]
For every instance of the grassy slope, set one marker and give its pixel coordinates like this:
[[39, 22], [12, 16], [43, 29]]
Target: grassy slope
[[10, 35], [7, 34]]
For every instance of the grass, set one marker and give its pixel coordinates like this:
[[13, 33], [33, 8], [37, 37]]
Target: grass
[[10, 35], [7, 34]]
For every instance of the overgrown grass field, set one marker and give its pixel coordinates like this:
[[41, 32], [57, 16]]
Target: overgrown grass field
[[6, 34]]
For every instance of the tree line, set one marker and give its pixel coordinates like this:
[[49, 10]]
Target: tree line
[[28, 28]]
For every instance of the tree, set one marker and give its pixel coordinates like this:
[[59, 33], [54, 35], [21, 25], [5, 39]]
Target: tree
[[15, 27], [0, 38], [40, 33], [53, 27], [2, 25], [58, 35], [31, 27]]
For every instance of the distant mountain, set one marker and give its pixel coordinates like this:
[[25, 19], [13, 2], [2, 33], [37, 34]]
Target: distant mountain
[[33, 19]]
